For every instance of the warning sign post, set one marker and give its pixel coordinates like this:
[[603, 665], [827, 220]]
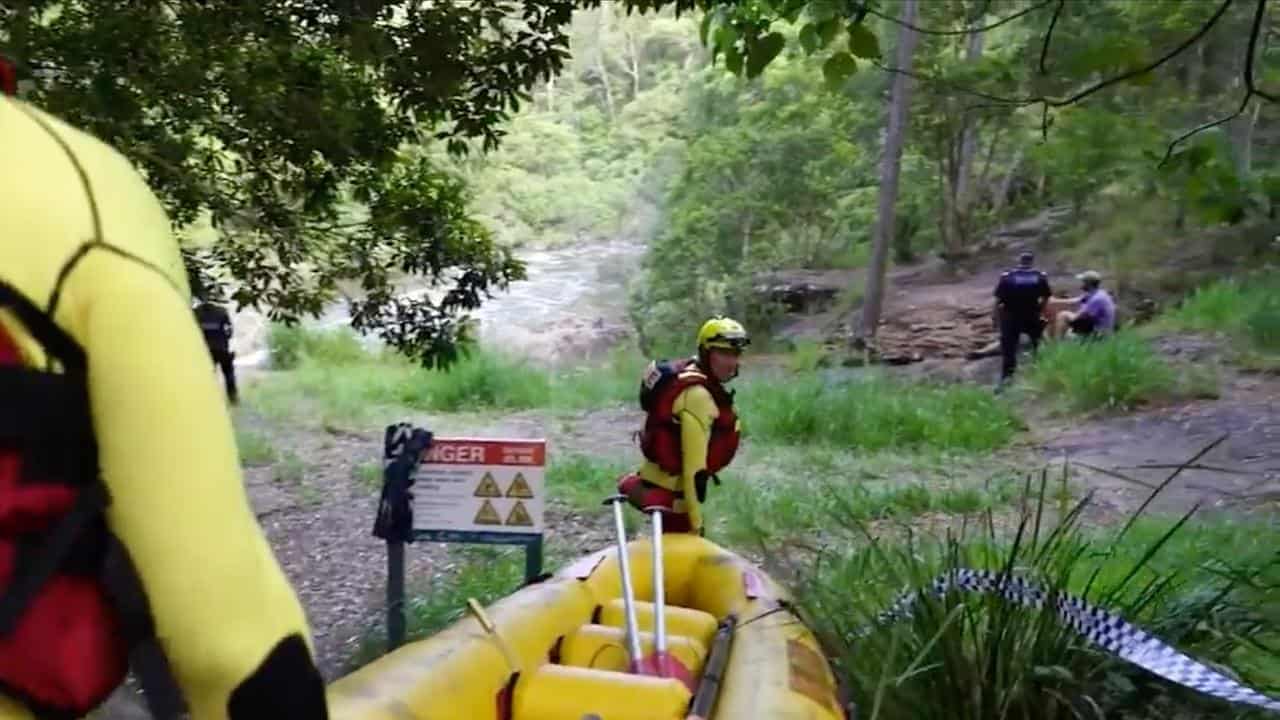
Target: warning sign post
[[473, 490]]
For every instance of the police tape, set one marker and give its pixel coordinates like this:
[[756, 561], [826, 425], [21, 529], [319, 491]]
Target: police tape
[[1099, 626]]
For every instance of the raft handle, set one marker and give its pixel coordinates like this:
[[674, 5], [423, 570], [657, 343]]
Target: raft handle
[[713, 673]]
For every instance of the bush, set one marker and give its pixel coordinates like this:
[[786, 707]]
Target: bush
[[875, 412], [341, 382], [971, 656], [1118, 372], [1245, 309], [289, 345]]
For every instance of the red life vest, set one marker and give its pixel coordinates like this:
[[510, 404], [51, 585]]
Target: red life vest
[[67, 619], [660, 437]]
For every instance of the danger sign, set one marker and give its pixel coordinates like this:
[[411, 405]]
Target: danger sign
[[481, 485]]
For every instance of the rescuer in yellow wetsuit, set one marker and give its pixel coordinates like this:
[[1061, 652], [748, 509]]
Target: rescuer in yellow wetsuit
[[83, 238], [691, 430]]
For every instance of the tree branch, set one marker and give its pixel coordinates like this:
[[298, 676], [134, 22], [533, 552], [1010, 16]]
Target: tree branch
[[1248, 59], [966, 31], [1168, 153], [1249, 92], [1204, 30], [1048, 35], [996, 100]]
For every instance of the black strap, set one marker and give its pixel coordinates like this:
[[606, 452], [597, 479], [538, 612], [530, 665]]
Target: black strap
[[146, 658], [35, 568], [53, 338], [41, 407]]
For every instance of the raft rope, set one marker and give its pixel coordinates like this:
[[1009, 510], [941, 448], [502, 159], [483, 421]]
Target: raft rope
[[1099, 626]]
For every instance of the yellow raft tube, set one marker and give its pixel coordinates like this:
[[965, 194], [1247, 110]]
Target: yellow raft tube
[[558, 650]]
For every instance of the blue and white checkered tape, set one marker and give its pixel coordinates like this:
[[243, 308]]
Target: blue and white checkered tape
[[1099, 626]]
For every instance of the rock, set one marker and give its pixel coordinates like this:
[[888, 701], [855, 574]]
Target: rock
[[800, 290]]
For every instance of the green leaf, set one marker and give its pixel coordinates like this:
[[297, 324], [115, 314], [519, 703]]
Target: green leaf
[[863, 43], [763, 51], [733, 59], [809, 39], [828, 29], [838, 68]]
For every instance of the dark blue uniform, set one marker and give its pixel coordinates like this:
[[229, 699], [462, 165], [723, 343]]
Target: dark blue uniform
[[215, 323], [1021, 293]]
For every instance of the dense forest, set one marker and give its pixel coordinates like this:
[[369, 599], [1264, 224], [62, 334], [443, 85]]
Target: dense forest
[[739, 136], [784, 170]]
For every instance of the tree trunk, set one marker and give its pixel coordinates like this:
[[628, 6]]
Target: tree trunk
[[551, 93], [984, 178], [602, 31], [19, 49], [634, 71], [968, 149], [891, 163], [1002, 196]]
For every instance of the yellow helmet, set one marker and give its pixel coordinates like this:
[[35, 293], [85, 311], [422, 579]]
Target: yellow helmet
[[723, 332]]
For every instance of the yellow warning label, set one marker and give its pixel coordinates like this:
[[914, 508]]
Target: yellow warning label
[[520, 488], [518, 515], [488, 487], [488, 515]]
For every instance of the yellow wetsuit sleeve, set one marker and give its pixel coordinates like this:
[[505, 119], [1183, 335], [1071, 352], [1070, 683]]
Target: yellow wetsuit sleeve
[[220, 601], [696, 410]]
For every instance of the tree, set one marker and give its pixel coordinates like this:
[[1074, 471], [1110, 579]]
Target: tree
[[287, 128], [895, 134]]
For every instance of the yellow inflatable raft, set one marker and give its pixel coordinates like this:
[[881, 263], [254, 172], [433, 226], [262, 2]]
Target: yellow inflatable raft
[[559, 650]]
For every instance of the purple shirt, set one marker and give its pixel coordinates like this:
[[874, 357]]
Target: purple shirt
[[1099, 306]]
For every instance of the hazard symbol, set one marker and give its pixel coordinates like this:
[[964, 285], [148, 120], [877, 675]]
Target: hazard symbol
[[489, 516], [488, 487], [518, 515], [520, 488]]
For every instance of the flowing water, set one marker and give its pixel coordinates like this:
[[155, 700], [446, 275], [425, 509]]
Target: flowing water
[[572, 304]]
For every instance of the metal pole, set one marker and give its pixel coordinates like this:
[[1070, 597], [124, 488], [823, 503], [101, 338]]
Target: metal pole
[[659, 594], [395, 595], [624, 567], [532, 559]]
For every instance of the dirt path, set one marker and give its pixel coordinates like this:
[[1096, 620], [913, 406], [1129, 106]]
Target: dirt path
[[1242, 473]]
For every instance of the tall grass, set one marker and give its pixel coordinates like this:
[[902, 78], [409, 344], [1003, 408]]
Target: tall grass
[[582, 481], [1120, 372], [874, 412], [780, 494], [1246, 311], [1210, 589], [342, 382]]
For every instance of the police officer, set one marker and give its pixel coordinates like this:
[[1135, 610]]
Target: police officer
[[215, 323], [1020, 298]]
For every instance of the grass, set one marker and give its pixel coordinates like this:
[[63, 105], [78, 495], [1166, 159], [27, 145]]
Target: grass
[[790, 493], [875, 412], [254, 448], [1243, 311], [583, 482], [969, 656], [342, 383], [1121, 372]]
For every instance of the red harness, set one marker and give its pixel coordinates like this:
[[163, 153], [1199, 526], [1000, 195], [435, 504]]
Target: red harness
[[660, 438]]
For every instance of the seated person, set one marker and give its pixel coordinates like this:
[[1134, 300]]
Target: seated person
[[1097, 314]]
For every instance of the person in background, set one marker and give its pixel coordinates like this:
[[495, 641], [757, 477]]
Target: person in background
[[1021, 294], [691, 430], [215, 323], [1097, 313]]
